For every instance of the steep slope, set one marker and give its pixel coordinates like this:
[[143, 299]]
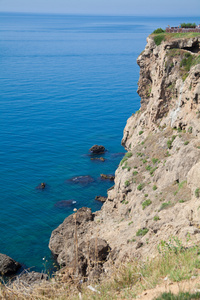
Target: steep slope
[[157, 184]]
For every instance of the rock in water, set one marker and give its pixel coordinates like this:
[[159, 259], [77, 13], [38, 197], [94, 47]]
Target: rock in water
[[8, 266], [101, 198], [96, 149], [41, 186], [83, 180], [110, 177], [98, 158], [64, 203]]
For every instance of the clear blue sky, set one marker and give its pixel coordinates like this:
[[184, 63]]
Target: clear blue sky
[[105, 7]]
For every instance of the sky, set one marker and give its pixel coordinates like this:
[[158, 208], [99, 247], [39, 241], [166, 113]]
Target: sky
[[105, 7]]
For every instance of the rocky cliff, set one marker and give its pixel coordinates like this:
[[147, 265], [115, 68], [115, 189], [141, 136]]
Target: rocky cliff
[[157, 184]]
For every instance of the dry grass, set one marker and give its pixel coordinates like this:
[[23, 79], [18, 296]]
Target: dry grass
[[124, 282]]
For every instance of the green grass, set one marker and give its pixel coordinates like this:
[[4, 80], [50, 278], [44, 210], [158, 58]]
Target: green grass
[[159, 38], [164, 205], [180, 296], [156, 218], [125, 158], [142, 232], [140, 186], [127, 183], [154, 160], [146, 203], [135, 173], [197, 192]]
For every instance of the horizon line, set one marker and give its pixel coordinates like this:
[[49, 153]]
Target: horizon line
[[98, 15]]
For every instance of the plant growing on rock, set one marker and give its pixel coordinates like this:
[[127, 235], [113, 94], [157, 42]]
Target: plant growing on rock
[[127, 183], [141, 132], [142, 232], [197, 192], [140, 186], [146, 203], [156, 218], [154, 187], [165, 205]]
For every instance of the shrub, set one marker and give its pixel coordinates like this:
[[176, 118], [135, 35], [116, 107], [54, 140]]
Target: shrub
[[186, 143], [197, 192], [154, 160], [153, 170], [141, 132], [146, 195], [140, 186], [148, 168], [158, 30], [127, 183], [142, 232], [181, 201], [135, 173], [130, 223], [154, 187], [190, 129], [165, 205], [144, 161], [159, 38], [156, 218], [188, 25], [146, 203]]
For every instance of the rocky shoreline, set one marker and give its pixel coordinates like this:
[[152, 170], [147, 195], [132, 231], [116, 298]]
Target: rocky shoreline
[[157, 184]]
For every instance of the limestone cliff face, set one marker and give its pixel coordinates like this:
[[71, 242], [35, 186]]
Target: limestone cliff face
[[157, 185]]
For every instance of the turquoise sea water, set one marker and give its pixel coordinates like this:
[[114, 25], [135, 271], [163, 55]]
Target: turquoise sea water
[[66, 83]]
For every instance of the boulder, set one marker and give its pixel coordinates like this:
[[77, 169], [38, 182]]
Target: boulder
[[91, 252], [110, 177], [8, 266], [96, 149], [61, 241], [101, 198]]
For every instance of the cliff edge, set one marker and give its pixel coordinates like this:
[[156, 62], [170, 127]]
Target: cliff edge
[[157, 184]]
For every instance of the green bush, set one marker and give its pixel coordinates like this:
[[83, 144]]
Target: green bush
[[153, 170], [127, 183], [146, 203], [159, 38], [165, 205], [186, 143], [158, 30], [142, 232], [197, 192], [141, 132], [154, 187], [156, 218], [135, 173], [140, 186], [154, 160], [188, 25]]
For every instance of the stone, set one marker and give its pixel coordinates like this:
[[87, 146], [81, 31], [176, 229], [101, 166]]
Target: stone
[[65, 203], [83, 180], [101, 198], [110, 177], [98, 158], [96, 149], [8, 266], [41, 186]]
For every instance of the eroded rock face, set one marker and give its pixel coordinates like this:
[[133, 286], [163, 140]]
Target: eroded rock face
[[73, 249], [154, 196], [8, 266]]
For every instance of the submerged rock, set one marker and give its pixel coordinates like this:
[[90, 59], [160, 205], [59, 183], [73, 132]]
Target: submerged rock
[[101, 198], [41, 186], [96, 149], [98, 158], [64, 203], [83, 180], [110, 177], [8, 266]]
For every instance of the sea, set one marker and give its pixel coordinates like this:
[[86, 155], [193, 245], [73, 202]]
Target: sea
[[67, 82]]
